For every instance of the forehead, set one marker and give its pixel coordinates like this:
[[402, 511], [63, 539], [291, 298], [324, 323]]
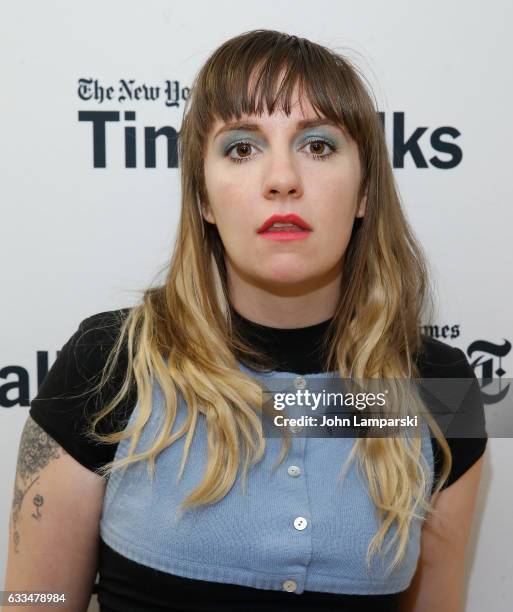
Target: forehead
[[300, 107], [302, 115]]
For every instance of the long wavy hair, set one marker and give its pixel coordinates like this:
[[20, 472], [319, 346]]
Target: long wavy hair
[[182, 333]]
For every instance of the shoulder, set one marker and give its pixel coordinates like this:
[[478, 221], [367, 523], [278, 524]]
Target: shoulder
[[85, 352], [436, 359], [465, 432], [67, 396], [459, 394], [102, 327]]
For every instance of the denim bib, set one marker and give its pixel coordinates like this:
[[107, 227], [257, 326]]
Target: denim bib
[[295, 528]]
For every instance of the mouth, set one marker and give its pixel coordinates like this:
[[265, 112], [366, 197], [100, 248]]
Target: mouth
[[285, 233], [284, 224]]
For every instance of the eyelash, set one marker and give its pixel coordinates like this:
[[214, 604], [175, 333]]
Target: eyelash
[[333, 148]]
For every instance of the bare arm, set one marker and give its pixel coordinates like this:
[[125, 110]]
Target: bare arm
[[54, 523], [438, 583]]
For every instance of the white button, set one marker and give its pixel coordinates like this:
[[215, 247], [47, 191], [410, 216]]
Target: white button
[[300, 382], [300, 523], [289, 585], [295, 428], [293, 470]]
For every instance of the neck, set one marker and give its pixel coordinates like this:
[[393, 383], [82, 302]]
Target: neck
[[285, 306], [299, 350]]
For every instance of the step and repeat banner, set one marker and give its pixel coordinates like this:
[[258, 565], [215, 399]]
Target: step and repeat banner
[[92, 98]]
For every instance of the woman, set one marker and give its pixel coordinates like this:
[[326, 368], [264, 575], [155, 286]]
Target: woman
[[293, 260]]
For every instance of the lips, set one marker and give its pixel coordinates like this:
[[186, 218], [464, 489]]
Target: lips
[[291, 218]]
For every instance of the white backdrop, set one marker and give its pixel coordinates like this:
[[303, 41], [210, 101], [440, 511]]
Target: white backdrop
[[78, 239]]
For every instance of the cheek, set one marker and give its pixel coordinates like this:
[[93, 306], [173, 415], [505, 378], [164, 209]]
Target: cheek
[[228, 199], [335, 205], [333, 212], [234, 214]]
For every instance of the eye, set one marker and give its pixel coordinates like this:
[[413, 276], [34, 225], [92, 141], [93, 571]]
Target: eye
[[319, 146], [243, 149]]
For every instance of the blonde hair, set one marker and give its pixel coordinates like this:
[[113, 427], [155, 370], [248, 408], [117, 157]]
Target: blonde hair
[[181, 334]]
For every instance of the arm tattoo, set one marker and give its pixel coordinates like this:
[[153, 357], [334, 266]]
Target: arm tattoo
[[36, 451]]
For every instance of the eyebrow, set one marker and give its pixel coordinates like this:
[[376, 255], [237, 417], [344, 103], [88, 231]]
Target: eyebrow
[[255, 127]]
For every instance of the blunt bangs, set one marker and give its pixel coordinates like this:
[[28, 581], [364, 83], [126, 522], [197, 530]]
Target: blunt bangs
[[247, 75]]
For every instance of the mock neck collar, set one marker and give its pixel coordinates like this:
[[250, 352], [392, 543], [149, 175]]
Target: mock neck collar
[[297, 350]]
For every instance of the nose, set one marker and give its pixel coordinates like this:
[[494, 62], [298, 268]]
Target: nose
[[282, 176]]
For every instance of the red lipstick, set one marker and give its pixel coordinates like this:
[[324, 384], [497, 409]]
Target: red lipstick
[[284, 227]]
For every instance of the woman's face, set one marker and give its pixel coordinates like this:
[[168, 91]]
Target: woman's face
[[274, 165]]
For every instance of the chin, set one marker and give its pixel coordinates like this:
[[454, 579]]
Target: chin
[[276, 272], [284, 277]]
